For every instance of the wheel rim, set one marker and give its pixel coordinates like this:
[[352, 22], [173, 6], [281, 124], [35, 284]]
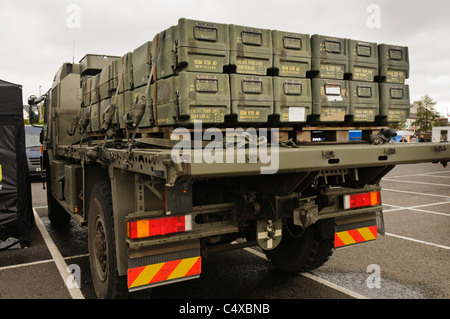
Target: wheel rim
[[101, 249]]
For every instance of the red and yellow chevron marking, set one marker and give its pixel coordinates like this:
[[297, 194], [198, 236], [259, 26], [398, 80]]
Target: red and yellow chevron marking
[[355, 236], [155, 273]]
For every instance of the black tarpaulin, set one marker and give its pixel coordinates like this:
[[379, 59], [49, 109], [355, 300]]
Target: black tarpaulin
[[15, 188]]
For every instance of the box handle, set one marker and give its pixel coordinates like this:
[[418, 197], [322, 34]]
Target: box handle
[[205, 32], [251, 37], [252, 85], [206, 84], [292, 87]]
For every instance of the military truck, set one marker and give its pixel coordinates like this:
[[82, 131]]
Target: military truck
[[212, 137]]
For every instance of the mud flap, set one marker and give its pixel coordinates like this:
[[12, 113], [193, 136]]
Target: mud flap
[[164, 265], [358, 229]]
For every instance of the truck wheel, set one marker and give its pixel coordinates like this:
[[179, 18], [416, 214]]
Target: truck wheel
[[301, 250], [57, 215], [101, 244]]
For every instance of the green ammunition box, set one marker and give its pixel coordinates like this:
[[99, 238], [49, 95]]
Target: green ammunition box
[[251, 98], [86, 91], [95, 89], [394, 102], [363, 60], [192, 96], [123, 68], [394, 63], [95, 118], [329, 57], [250, 50], [292, 99], [105, 82], [148, 118], [330, 100], [194, 46], [92, 64], [123, 106], [291, 54], [116, 66], [364, 101], [142, 64]]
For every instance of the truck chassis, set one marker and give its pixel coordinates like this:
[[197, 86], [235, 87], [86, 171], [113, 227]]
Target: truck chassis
[[153, 221]]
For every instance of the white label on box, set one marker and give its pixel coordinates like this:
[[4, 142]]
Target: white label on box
[[296, 114], [332, 98], [332, 90]]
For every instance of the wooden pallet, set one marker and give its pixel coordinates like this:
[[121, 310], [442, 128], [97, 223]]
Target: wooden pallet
[[332, 134], [303, 135]]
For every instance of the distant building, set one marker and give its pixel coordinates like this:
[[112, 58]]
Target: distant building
[[412, 116]]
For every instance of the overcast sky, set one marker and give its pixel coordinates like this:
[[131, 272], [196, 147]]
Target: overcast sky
[[36, 37]]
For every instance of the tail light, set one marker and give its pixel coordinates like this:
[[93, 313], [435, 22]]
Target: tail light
[[144, 228], [362, 200]]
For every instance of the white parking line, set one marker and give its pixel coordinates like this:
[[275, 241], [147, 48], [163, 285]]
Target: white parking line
[[315, 278], [417, 241], [414, 182], [414, 193], [27, 264], [75, 292], [433, 176], [419, 174], [416, 208]]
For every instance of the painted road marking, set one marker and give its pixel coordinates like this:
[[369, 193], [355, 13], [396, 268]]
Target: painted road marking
[[419, 174], [27, 264], [414, 193], [414, 182], [417, 241], [75, 292], [416, 208]]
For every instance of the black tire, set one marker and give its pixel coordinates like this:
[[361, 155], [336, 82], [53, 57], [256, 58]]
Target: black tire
[[59, 218], [301, 250], [101, 243]]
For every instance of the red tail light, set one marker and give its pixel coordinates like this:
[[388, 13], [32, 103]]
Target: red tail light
[[144, 228], [362, 200]]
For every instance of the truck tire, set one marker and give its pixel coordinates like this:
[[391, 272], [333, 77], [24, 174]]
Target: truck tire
[[301, 251], [57, 215], [101, 244]]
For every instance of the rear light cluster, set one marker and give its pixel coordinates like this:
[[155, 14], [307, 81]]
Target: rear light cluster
[[362, 200], [144, 228]]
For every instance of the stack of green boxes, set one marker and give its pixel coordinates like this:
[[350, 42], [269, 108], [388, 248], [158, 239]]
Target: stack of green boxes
[[292, 90], [357, 81], [363, 90], [190, 58], [329, 64], [225, 74], [251, 89], [95, 76], [394, 93]]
